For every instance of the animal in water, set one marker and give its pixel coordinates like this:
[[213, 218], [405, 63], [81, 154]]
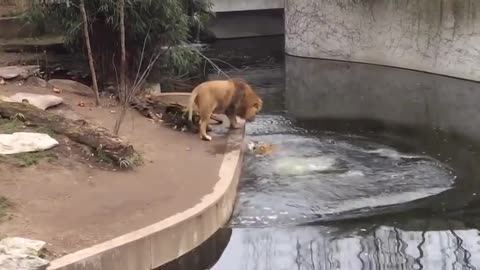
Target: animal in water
[[233, 97], [261, 148]]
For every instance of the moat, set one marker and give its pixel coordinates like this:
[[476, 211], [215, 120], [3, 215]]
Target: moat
[[341, 194]]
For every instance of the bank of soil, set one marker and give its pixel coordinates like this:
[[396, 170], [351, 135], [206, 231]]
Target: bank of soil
[[68, 199], [3, 208]]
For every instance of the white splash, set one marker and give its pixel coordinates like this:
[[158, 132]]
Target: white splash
[[390, 153], [302, 165], [352, 173]]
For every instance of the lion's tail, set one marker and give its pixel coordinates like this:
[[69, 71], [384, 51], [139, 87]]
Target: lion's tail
[[191, 102]]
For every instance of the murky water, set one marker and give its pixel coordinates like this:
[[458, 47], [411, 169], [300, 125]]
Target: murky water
[[343, 200], [312, 174]]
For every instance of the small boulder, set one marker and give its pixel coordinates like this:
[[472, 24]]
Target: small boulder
[[21, 253], [24, 142], [18, 72], [4, 98], [40, 101]]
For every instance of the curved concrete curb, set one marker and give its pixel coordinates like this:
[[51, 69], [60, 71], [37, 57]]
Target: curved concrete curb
[[164, 241]]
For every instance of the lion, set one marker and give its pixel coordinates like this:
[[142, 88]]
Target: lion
[[232, 97], [261, 148]]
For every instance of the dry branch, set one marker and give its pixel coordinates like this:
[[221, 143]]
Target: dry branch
[[172, 114], [97, 138], [89, 51]]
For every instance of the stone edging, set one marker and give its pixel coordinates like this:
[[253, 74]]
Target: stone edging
[[164, 241]]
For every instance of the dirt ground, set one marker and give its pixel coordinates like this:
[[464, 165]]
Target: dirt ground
[[72, 204]]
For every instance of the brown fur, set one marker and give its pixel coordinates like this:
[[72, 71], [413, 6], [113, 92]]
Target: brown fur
[[264, 148], [230, 97]]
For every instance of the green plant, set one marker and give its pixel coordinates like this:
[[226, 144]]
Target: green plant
[[10, 126], [33, 158], [4, 205], [157, 25]]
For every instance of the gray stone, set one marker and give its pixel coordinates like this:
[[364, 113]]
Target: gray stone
[[21, 254], [18, 72]]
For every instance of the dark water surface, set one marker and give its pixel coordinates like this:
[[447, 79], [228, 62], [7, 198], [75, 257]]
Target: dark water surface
[[341, 198]]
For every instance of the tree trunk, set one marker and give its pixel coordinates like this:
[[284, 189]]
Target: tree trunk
[[98, 138], [123, 86], [89, 51]]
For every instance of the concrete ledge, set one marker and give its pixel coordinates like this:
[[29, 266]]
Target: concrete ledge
[[235, 5], [159, 243]]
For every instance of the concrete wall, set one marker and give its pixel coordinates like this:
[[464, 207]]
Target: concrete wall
[[242, 5], [439, 36], [340, 90], [248, 23]]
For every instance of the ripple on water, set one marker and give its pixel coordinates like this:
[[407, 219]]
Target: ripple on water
[[311, 175]]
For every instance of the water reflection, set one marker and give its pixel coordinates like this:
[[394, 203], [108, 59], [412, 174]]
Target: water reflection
[[315, 248], [204, 256]]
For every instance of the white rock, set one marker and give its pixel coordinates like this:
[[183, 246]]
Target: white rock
[[4, 98], [20, 246], [20, 253], [12, 72], [40, 101], [22, 142]]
